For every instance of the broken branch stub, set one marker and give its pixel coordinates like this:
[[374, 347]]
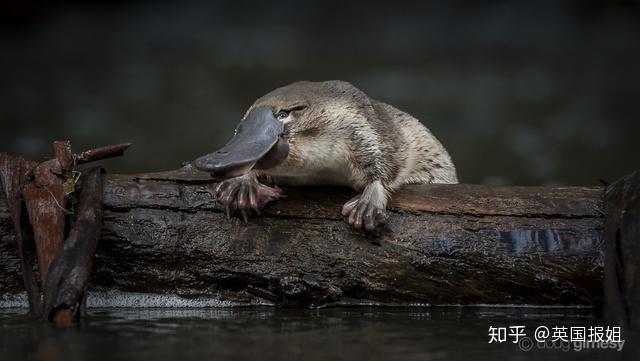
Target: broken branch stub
[[46, 205], [46, 189], [13, 171], [67, 281], [108, 151]]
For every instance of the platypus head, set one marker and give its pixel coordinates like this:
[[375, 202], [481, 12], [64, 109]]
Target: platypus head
[[281, 129], [257, 143]]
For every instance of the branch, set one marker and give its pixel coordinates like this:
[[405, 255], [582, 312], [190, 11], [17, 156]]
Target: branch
[[444, 244]]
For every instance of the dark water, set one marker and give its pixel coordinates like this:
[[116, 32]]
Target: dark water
[[280, 334]]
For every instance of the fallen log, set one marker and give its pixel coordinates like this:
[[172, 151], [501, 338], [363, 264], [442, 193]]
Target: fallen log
[[443, 244], [622, 260]]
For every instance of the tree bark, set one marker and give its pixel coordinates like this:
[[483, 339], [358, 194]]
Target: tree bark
[[622, 260], [443, 244]]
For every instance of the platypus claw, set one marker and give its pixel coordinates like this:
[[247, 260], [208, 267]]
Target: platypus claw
[[245, 194], [244, 214], [360, 214]]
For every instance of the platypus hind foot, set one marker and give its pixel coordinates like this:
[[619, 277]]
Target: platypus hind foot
[[243, 194]]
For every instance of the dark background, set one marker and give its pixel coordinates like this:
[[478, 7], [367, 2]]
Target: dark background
[[542, 92]]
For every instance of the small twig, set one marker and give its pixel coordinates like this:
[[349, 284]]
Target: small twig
[[66, 211], [108, 151]]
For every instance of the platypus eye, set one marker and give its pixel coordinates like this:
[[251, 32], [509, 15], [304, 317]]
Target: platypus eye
[[282, 115]]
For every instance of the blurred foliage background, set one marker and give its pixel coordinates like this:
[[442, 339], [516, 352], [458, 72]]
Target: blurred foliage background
[[541, 92]]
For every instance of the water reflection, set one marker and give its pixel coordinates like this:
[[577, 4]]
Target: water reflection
[[358, 333]]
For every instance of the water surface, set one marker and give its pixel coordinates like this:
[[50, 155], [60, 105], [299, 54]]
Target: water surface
[[266, 333]]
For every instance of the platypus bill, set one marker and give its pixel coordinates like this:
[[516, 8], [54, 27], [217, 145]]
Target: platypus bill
[[326, 133]]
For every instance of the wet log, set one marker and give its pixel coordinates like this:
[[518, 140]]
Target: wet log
[[622, 260], [443, 244]]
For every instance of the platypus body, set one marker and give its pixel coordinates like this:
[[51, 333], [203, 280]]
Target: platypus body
[[326, 133]]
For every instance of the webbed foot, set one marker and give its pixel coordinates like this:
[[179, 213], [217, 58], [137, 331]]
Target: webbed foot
[[244, 194]]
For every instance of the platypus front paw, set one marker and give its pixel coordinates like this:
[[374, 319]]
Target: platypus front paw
[[243, 194], [360, 212]]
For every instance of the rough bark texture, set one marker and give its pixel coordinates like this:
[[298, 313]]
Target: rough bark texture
[[622, 266], [444, 244], [68, 279], [13, 173], [43, 193]]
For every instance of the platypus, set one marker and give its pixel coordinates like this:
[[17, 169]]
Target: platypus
[[326, 133]]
